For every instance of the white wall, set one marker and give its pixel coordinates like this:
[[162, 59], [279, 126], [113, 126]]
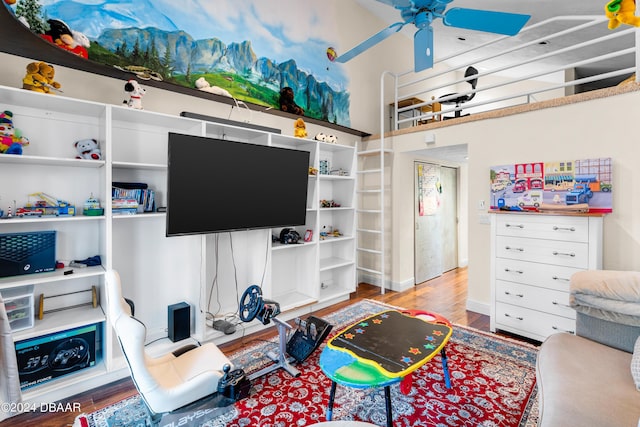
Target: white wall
[[590, 129]]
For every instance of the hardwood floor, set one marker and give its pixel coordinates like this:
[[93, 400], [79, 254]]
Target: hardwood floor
[[445, 295]]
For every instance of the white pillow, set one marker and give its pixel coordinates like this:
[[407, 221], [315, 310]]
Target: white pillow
[[635, 365]]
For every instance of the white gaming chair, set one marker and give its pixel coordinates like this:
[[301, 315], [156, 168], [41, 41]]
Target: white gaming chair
[[168, 382]]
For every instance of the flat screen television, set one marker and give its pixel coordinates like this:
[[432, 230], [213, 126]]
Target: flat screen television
[[216, 185]]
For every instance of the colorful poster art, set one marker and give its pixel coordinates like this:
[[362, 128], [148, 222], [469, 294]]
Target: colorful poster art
[[566, 185], [428, 189]]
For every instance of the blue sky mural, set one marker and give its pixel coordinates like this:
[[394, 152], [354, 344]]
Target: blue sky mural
[[269, 44]]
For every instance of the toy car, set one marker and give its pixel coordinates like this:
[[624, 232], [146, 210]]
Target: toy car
[[532, 198], [519, 187], [29, 212]]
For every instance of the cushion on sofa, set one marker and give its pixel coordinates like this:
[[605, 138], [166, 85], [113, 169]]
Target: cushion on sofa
[[635, 365], [584, 383]]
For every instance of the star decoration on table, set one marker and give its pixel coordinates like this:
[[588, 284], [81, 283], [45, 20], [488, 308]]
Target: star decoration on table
[[364, 324], [429, 346], [415, 351], [377, 321], [429, 338], [384, 316], [437, 333], [349, 336], [359, 331], [407, 360]]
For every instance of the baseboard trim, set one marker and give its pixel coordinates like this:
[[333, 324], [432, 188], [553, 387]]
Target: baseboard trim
[[393, 286], [478, 307]]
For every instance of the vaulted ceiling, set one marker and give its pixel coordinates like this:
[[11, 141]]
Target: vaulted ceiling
[[449, 39]]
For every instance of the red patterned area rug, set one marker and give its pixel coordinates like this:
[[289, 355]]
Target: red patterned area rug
[[493, 384]]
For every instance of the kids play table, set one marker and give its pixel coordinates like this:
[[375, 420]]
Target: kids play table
[[385, 349]]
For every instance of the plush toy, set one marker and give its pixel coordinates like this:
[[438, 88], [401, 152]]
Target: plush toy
[[39, 78], [320, 137], [288, 104], [88, 149], [205, 86], [331, 139], [62, 36], [299, 129], [11, 139], [136, 92], [621, 12]]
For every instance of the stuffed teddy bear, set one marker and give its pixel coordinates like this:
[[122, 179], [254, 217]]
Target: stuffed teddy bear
[[288, 104], [11, 139], [299, 129], [205, 86], [621, 12], [39, 78], [88, 149]]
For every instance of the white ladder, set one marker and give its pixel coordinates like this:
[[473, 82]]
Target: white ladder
[[370, 210]]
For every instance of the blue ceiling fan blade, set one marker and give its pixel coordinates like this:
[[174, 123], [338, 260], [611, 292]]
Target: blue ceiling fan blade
[[370, 42], [508, 24], [423, 49]]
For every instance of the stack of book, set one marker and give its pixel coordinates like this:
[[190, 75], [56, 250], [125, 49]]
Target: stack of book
[[130, 198]]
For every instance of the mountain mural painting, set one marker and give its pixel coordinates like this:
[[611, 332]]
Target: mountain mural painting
[[125, 33]]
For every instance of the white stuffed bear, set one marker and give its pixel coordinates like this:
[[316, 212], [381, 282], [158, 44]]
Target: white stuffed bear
[[205, 86], [88, 149]]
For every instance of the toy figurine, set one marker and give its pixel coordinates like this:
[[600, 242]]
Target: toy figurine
[[299, 129], [136, 92], [11, 139]]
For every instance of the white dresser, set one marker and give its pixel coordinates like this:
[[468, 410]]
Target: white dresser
[[532, 259]]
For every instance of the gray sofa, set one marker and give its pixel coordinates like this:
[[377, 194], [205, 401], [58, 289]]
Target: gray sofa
[[585, 379]]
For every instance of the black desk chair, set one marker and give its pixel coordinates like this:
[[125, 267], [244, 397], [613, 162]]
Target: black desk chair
[[461, 99]]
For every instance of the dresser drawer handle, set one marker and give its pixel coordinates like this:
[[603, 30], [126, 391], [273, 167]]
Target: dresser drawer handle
[[571, 254], [555, 328], [513, 317], [513, 271], [556, 228], [514, 225], [515, 295], [509, 248], [561, 305], [561, 278]]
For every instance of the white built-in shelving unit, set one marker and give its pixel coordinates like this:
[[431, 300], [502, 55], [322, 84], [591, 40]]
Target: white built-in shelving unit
[[209, 272]]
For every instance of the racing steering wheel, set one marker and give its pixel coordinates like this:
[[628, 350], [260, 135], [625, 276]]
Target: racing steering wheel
[[250, 303]]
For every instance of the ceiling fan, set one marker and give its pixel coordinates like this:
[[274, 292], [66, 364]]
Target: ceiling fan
[[421, 13]]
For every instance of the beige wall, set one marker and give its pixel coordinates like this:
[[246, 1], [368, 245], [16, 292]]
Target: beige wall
[[590, 129]]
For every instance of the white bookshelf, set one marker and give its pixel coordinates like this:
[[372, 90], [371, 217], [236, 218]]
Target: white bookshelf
[[158, 271]]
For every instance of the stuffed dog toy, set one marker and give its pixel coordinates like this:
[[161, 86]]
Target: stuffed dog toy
[[136, 92]]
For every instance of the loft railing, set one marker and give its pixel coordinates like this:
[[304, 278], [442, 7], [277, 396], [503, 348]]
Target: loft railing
[[540, 62]]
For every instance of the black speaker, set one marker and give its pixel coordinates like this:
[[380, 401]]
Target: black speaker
[[179, 321]]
